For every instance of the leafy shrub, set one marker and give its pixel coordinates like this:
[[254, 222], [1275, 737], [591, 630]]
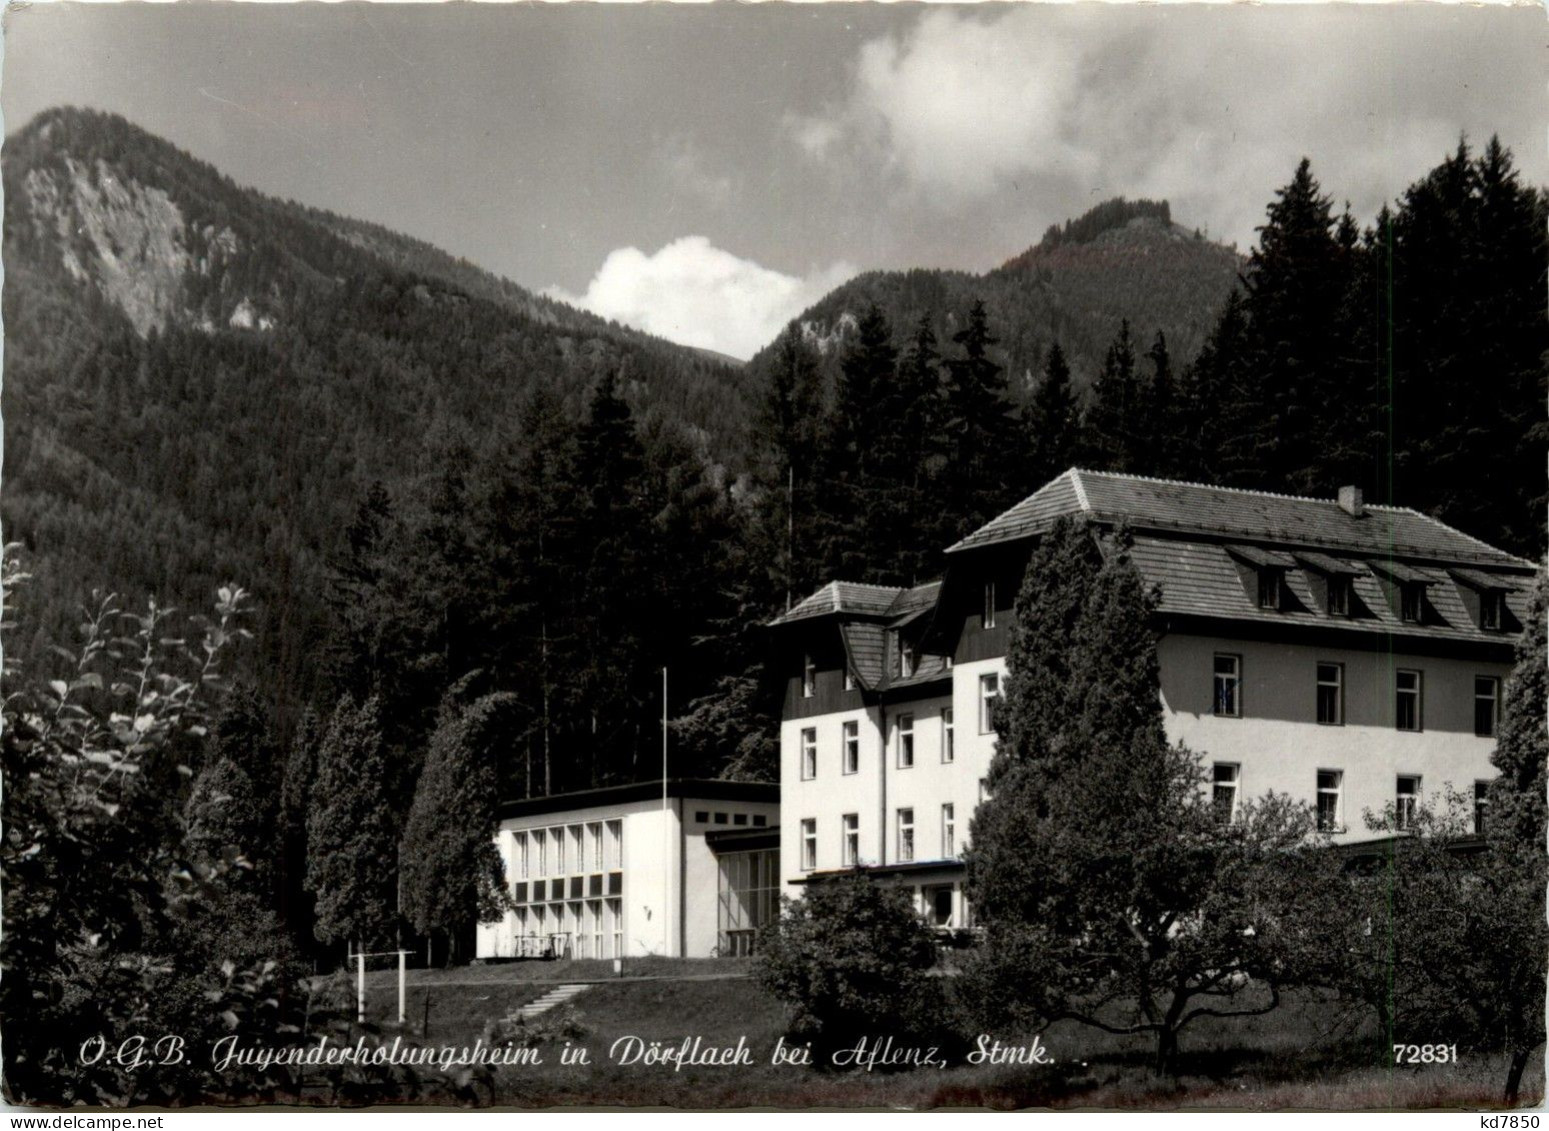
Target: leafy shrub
[[850, 960]]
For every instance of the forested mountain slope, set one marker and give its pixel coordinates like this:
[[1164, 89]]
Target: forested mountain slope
[[1122, 260], [202, 381]]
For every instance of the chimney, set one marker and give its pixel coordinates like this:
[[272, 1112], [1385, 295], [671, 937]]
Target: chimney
[[1352, 501]]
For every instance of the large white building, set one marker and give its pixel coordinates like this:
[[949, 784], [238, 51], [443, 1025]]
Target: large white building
[[1350, 656], [681, 868]]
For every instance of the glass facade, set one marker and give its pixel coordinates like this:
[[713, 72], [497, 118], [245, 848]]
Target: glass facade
[[569, 890], [749, 890]]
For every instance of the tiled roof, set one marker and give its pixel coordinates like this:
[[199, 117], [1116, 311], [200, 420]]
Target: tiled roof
[[864, 600], [1200, 579], [845, 597], [1337, 567], [1287, 520], [872, 645], [1488, 582]]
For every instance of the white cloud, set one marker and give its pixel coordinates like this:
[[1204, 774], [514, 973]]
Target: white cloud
[[1209, 110], [697, 294]]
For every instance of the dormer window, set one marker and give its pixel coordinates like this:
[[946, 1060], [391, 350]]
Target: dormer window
[[1411, 602], [905, 659], [1492, 610], [809, 677], [1490, 589], [987, 617], [1339, 588], [849, 680], [1271, 586]]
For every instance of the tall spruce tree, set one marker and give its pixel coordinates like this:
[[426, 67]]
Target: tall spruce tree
[[1296, 289], [1051, 422], [849, 499], [978, 432], [1112, 422]]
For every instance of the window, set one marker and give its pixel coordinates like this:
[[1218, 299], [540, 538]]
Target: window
[[1406, 694], [1492, 609], [1481, 807], [1331, 694], [540, 844], [984, 790], [948, 741], [905, 741], [594, 832], [852, 839], [702, 817], [1487, 705], [852, 747], [989, 692], [905, 835], [809, 844], [987, 616], [905, 659], [948, 832], [809, 678], [720, 818], [739, 818], [1406, 801], [1269, 588], [558, 837], [615, 844], [759, 820], [809, 754], [1228, 686], [1339, 588], [522, 856], [1329, 783], [1224, 790], [1411, 602]]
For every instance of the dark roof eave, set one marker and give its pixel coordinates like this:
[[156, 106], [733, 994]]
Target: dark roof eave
[[711, 789], [1352, 635]]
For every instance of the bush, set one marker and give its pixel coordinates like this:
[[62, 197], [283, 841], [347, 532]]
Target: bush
[[851, 960]]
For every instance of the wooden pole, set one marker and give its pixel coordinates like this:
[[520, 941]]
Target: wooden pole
[[360, 986]]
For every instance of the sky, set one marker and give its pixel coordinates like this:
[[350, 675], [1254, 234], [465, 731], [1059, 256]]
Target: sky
[[705, 172]]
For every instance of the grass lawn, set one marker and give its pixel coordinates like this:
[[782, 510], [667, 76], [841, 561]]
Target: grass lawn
[[1300, 1056]]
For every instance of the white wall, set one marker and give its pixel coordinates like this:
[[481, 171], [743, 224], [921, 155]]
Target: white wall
[[1280, 745], [668, 871]]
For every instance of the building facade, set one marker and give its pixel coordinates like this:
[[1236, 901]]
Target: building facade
[[682, 868], [1349, 656]]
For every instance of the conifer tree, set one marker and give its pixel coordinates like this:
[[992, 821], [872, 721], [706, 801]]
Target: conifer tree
[[902, 430], [1109, 427], [452, 875], [978, 431], [618, 555], [1051, 423], [1108, 888], [1157, 435], [848, 498], [352, 839]]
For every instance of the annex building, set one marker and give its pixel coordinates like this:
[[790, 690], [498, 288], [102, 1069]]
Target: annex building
[[1350, 656], [679, 868]]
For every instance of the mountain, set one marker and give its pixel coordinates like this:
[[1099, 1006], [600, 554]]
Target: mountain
[[202, 381], [1123, 259]]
